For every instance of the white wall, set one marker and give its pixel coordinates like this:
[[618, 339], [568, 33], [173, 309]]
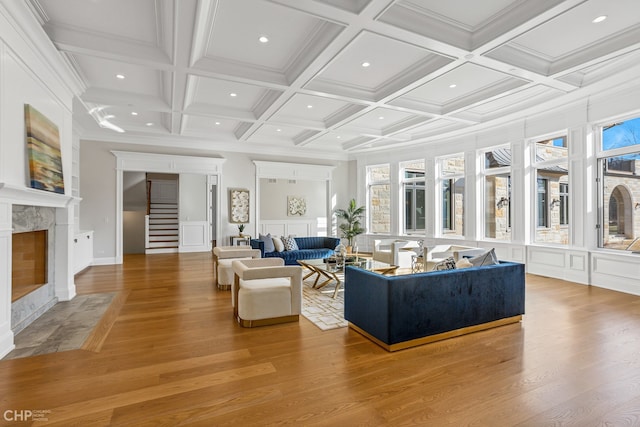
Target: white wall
[[98, 189], [193, 197], [134, 191], [273, 198], [35, 76]]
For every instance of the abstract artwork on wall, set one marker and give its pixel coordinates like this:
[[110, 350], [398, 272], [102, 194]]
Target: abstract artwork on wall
[[296, 206], [43, 147], [238, 205]]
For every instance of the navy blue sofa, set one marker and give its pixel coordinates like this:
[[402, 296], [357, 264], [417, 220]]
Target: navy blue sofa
[[402, 311], [308, 248]]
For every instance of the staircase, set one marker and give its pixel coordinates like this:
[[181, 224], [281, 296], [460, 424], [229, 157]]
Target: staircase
[[163, 228]]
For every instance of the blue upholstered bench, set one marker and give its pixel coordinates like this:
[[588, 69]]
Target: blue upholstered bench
[[308, 248], [403, 311]]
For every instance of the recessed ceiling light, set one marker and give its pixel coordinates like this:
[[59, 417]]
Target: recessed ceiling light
[[233, 94], [278, 130], [599, 19], [453, 85], [149, 124], [217, 123], [263, 39], [365, 64], [120, 76], [133, 113], [338, 137], [381, 118], [309, 106]]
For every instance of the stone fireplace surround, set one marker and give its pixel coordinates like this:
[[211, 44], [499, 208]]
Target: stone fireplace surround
[[31, 306], [26, 209]]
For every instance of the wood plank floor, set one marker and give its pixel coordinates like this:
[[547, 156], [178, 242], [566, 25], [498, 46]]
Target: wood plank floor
[[172, 355]]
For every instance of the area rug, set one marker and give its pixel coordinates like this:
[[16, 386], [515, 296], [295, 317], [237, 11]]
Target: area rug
[[66, 326], [320, 308]]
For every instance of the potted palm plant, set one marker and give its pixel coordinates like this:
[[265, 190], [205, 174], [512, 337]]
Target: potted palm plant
[[351, 218]]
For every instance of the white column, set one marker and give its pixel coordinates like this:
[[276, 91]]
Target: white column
[[64, 255], [6, 335]]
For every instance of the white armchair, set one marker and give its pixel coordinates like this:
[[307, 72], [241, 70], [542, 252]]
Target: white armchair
[[266, 292], [394, 251], [223, 256], [441, 252]]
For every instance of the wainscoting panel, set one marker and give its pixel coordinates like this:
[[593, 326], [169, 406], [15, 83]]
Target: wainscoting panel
[[560, 263], [620, 272], [193, 236], [298, 228]]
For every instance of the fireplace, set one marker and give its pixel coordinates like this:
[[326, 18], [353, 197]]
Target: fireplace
[[28, 262], [32, 260], [50, 217]]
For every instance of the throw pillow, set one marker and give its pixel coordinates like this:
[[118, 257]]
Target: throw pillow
[[268, 242], [446, 264], [487, 258], [290, 244], [277, 243], [463, 263]]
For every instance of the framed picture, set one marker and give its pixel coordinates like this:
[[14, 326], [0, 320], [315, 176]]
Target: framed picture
[[43, 147], [238, 205], [296, 206]]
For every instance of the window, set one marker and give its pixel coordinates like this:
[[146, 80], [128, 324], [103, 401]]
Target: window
[[414, 196], [542, 203], [564, 204], [497, 193], [619, 193], [379, 198], [551, 166], [451, 177], [447, 204]]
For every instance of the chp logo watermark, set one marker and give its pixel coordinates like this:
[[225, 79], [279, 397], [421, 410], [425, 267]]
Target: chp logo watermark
[[19, 415]]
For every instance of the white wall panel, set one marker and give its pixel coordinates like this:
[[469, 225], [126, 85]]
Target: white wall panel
[[297, 228], [193, 236], [620, 272], [561, 263]]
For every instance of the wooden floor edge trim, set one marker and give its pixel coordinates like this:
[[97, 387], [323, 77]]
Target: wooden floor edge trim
[[437, 337], [96, 338]]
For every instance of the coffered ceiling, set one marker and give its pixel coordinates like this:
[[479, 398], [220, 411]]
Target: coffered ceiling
[[340, 76]]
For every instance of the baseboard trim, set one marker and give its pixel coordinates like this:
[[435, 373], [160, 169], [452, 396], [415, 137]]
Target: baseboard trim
[[437, 337]]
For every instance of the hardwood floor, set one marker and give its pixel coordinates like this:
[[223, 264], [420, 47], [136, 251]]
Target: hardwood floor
[[170, 354]]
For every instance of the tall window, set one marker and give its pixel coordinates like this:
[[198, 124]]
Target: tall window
[[564, 204], [619, 161], [414, 196], [497, 193], [379, 198], [550, 162], [542, 203], [451, 177]]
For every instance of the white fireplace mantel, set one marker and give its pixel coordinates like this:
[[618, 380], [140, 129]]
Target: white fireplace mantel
[[29, 196]]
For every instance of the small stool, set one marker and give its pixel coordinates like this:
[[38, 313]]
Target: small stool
[[223, 256]]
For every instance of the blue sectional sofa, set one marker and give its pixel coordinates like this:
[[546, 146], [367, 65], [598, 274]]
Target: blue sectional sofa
[[308, 248], [398, 312]]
